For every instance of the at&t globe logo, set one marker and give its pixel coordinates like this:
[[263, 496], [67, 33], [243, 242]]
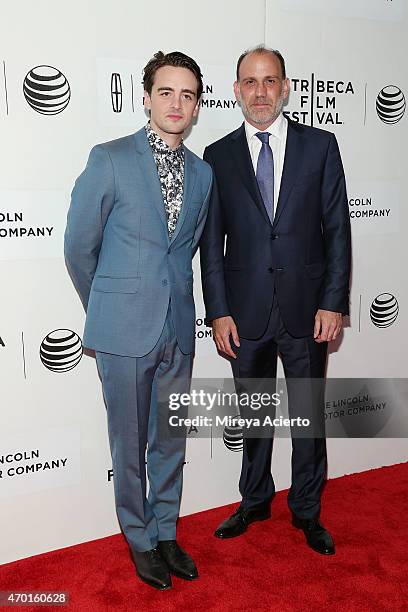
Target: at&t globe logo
[[390, 104], [46, 90], [61, 350], [384, 310], [233, 437]]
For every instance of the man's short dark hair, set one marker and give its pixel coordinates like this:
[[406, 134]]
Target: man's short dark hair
[[261, 49], [176, 59]]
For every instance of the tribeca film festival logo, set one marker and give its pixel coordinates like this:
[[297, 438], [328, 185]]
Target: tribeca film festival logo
[[384, 310], [318, 100], [61, 350], [46, 90], [390, 104]]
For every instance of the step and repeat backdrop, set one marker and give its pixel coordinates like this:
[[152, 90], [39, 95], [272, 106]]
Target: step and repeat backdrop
[[346, 62]]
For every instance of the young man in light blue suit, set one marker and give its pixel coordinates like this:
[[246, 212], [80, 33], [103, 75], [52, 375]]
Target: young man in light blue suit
[[136, 216]]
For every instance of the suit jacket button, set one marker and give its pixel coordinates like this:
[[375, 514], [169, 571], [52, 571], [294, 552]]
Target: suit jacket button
[[270, 269], [164, 282], [168, 251], [274, 236]]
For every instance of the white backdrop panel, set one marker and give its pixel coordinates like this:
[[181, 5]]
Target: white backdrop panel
[[45, 414]]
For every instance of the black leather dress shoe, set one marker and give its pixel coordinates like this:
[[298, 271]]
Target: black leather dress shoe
[[238, 522], [317, 536], [152, 569], [178, 561]]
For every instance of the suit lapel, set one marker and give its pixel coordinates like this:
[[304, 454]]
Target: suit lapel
[[149, 172], [292, 163], [190, 174], [245, 168]]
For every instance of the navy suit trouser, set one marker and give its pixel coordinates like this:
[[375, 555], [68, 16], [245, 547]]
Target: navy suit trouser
[[302, 358]]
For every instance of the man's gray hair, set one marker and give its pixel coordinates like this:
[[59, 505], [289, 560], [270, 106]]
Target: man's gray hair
[[261, 49]]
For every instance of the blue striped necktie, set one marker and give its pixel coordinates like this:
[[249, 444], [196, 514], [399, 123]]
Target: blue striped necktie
[[265, 173]]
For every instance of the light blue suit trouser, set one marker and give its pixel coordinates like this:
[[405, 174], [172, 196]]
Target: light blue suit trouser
[[130, 387]]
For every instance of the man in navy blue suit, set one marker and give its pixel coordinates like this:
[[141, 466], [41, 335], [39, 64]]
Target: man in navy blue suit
[[281, 284]]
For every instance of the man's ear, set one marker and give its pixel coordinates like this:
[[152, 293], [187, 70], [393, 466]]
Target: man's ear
[[146, 100], [286, 88], [237, 91], [197, 108]]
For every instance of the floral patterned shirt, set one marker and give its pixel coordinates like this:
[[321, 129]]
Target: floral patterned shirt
[[170, 168]]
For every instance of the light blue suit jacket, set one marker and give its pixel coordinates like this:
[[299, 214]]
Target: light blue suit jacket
[[118, 252]]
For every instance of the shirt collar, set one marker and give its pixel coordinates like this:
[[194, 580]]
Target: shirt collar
[[159, 145], [275, 129]]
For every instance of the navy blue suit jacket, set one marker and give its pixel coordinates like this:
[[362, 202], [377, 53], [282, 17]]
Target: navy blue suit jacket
[[304, 256]]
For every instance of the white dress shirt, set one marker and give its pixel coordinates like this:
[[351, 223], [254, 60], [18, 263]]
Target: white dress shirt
[[277, 141]]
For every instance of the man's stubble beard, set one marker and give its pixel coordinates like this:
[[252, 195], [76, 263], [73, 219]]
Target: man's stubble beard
[[255, 118]]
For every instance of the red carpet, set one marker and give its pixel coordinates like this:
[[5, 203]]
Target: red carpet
[[268, 568]]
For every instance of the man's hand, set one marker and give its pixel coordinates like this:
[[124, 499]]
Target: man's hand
[[222, 328], [328, 325]]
